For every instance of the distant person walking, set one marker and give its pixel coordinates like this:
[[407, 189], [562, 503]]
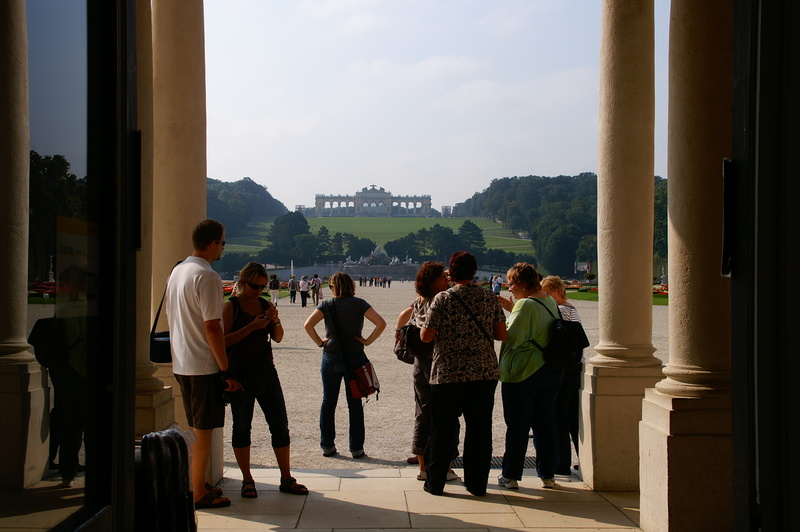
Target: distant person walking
[[315, 285], [292, 286], [303, 290], [194, 311], [274, 288]]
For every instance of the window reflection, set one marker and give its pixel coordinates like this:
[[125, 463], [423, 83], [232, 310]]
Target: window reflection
[[62, 248]]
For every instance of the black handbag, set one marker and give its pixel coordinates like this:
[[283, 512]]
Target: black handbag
[[160, 351], [409, 345]]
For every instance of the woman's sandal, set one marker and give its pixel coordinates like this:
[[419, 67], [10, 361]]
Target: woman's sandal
[[249, 489], [290, 485], [209, 500], [213, 489]]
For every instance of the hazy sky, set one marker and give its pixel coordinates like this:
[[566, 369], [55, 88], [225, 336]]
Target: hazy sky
[[431, 97]]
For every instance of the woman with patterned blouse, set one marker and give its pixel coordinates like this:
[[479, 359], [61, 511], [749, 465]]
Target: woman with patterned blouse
[[464, 321]]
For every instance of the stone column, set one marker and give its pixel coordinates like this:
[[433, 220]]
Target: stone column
[[179, 153], [155, 407], [686, 446], [24, 393], [615, 379]]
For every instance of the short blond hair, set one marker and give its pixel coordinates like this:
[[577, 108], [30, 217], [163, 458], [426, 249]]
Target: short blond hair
[[553, 283]]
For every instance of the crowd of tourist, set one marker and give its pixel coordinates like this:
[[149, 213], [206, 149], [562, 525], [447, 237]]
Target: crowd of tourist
[[455, 376]]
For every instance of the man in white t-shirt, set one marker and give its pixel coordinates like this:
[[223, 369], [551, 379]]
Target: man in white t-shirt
[[199, 361]]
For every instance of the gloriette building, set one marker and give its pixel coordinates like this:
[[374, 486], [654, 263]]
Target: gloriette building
[[372, 201]]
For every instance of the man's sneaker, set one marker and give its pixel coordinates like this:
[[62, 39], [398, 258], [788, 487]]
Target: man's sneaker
[[508, 483], [358, 454], [328, 451], [549, 483], [422, 475], [451, 476]]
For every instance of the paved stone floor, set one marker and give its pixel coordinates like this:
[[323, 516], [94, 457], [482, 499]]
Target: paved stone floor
[[393, 499]]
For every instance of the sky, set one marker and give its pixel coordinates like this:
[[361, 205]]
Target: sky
[[309, 97], [434, 97]]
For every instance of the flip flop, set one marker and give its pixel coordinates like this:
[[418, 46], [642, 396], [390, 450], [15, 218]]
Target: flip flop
[[210, 500], [213, 489]]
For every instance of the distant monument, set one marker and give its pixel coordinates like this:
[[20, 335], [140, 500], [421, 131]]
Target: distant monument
[[372, 201]]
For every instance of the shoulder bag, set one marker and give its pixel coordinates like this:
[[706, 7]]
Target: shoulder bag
[[160, 351]]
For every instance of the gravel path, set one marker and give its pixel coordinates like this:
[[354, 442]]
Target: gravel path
[[389, 420]]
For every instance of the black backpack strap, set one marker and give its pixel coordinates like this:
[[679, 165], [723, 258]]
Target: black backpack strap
[[531, 340]]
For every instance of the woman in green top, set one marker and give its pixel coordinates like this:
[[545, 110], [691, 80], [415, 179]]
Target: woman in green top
[[529, 386]]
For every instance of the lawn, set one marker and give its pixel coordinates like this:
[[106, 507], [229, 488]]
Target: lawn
[[382, 230], [658, 299]]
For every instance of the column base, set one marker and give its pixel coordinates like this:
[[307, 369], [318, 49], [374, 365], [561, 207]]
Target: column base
[[609, 433], [155, 410], [686, 463], [25, 417]]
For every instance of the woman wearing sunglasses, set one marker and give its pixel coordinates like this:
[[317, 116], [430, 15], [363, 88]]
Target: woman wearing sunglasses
[[251, 324]]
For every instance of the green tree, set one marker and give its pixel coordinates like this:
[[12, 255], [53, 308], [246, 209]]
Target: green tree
[[337, 245], [285, 228], [660, 250], [471, 237], [443, 242], [54, 191], [324, 237], [236, 204], [306, 248]]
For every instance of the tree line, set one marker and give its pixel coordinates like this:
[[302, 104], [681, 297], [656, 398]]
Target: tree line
[[238, 203], [559, 214]]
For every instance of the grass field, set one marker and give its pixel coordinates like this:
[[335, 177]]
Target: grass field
[[382, 230], [658, 299]]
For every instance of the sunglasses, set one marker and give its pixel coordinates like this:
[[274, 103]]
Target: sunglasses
[[255, 286], [220, 242]]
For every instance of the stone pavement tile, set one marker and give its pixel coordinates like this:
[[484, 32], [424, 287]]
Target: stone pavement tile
[[626, 501], [208, 521], [456, 500], [545, 514], [381, 484], [464, 521], [561, 529], [355, 509], [577, 492]]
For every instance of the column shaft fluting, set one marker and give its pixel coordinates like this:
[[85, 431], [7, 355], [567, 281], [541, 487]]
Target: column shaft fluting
[[700, 99], [625, 183]]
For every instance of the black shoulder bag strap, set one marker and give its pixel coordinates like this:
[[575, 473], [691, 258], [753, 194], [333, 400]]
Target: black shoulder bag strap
[[534, 342], [471, 315], [164, 295]]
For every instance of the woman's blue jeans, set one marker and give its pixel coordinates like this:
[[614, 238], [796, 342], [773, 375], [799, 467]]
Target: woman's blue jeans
[[334, 371], [531, 404]]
